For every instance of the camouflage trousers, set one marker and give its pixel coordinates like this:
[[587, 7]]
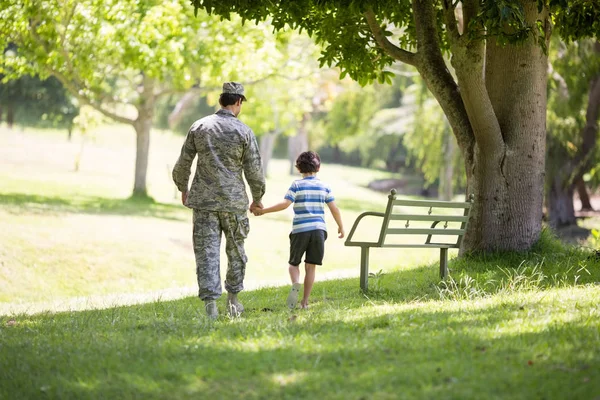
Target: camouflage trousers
[[209, 227]]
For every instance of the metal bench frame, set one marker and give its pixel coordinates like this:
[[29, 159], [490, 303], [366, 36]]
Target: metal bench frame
[[390, 215]]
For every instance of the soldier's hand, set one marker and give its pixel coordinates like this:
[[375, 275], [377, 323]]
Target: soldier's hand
[[184, 197]]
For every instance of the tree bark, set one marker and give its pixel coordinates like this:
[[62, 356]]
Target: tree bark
[[568, 171], [143, 125], [446, 191], [10, 116], [516, 80], [267, 142], [586, 204], [298, 143]]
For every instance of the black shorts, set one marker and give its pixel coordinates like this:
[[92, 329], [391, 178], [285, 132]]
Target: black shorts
[[312, 243]]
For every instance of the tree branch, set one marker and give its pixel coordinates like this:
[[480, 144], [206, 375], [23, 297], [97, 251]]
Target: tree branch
[[394, 51], [70, 86], [86, 100], [451, 22]]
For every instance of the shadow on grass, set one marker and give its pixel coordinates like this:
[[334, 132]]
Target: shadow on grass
[[342, 349], [20, 203], [397, 341]]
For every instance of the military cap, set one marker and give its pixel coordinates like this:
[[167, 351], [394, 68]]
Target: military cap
[[234, 88]]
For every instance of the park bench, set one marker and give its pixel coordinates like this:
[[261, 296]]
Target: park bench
[[407, 221]]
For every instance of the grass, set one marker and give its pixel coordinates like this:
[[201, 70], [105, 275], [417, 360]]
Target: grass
[[504, 326], [77, 240], [411, 337]]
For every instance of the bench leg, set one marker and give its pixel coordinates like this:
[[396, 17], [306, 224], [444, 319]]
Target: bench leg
[[364, 268], [443, 263]]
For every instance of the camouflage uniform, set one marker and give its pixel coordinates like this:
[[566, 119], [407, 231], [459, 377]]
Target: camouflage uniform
[[226, 148]]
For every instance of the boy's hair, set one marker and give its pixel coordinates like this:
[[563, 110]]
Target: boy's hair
[[228, 99], [308, 162]]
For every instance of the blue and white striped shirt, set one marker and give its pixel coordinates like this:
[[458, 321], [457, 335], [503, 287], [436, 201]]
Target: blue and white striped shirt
[[309, 196]]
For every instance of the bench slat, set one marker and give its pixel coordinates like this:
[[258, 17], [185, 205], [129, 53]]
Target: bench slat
[[423, 246], [424, 231], [421, 217], [432, 203]]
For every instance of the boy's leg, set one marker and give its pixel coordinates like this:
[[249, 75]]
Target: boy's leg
[[298, 243], [292, 298], [314, 256], [309, 280], [294, 273]]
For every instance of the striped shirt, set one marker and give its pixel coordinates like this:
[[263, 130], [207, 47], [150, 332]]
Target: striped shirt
[[309, 196]]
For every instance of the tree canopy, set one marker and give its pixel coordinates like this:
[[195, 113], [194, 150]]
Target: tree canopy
[[494, 99], [121, 56]]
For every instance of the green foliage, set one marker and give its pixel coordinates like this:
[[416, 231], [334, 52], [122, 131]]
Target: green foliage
[[347, 40], [574, 19], [574, 65], [103, 50]]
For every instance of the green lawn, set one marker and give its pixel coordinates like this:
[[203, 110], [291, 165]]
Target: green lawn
[[504, 326], [76, 240], [490, 333]]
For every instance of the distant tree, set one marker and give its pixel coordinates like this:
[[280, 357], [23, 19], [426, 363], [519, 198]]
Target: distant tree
[[122, 56], [573, 117], [34, 102], [495, 103]]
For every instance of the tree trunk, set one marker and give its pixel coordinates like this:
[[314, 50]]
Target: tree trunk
[[586, 204], [267, 142], [298, 143], [10, 116], [143, 125], [561, 211], [446, 191], [566, 171], [510, 209], [507, 112]]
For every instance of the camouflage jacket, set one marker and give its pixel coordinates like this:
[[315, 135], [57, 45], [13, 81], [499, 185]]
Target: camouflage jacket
[[226, 147]]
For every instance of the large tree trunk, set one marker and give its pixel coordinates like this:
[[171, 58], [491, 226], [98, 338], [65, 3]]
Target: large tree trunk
[[504, 93], [497, 112], [511, 187]]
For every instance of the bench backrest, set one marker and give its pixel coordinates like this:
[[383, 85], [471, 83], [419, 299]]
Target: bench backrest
[[400, 214]]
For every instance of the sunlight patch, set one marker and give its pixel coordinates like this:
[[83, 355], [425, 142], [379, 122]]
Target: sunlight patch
[[286, 379]]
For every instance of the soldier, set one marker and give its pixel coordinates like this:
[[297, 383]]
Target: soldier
[[226, 148]]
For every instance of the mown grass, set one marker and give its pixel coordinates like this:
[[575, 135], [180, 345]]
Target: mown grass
[[76, 239], [528, 335], [503, 326]]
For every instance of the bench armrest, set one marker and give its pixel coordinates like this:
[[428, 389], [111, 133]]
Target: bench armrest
[[349, 241]]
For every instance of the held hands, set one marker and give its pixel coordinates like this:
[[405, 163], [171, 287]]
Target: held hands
[[256, 208]]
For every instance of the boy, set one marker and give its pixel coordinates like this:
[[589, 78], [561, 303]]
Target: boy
[[309, 232]]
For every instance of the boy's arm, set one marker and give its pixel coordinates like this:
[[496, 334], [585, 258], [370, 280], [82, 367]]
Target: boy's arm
[[335, 211], [277, 207]]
